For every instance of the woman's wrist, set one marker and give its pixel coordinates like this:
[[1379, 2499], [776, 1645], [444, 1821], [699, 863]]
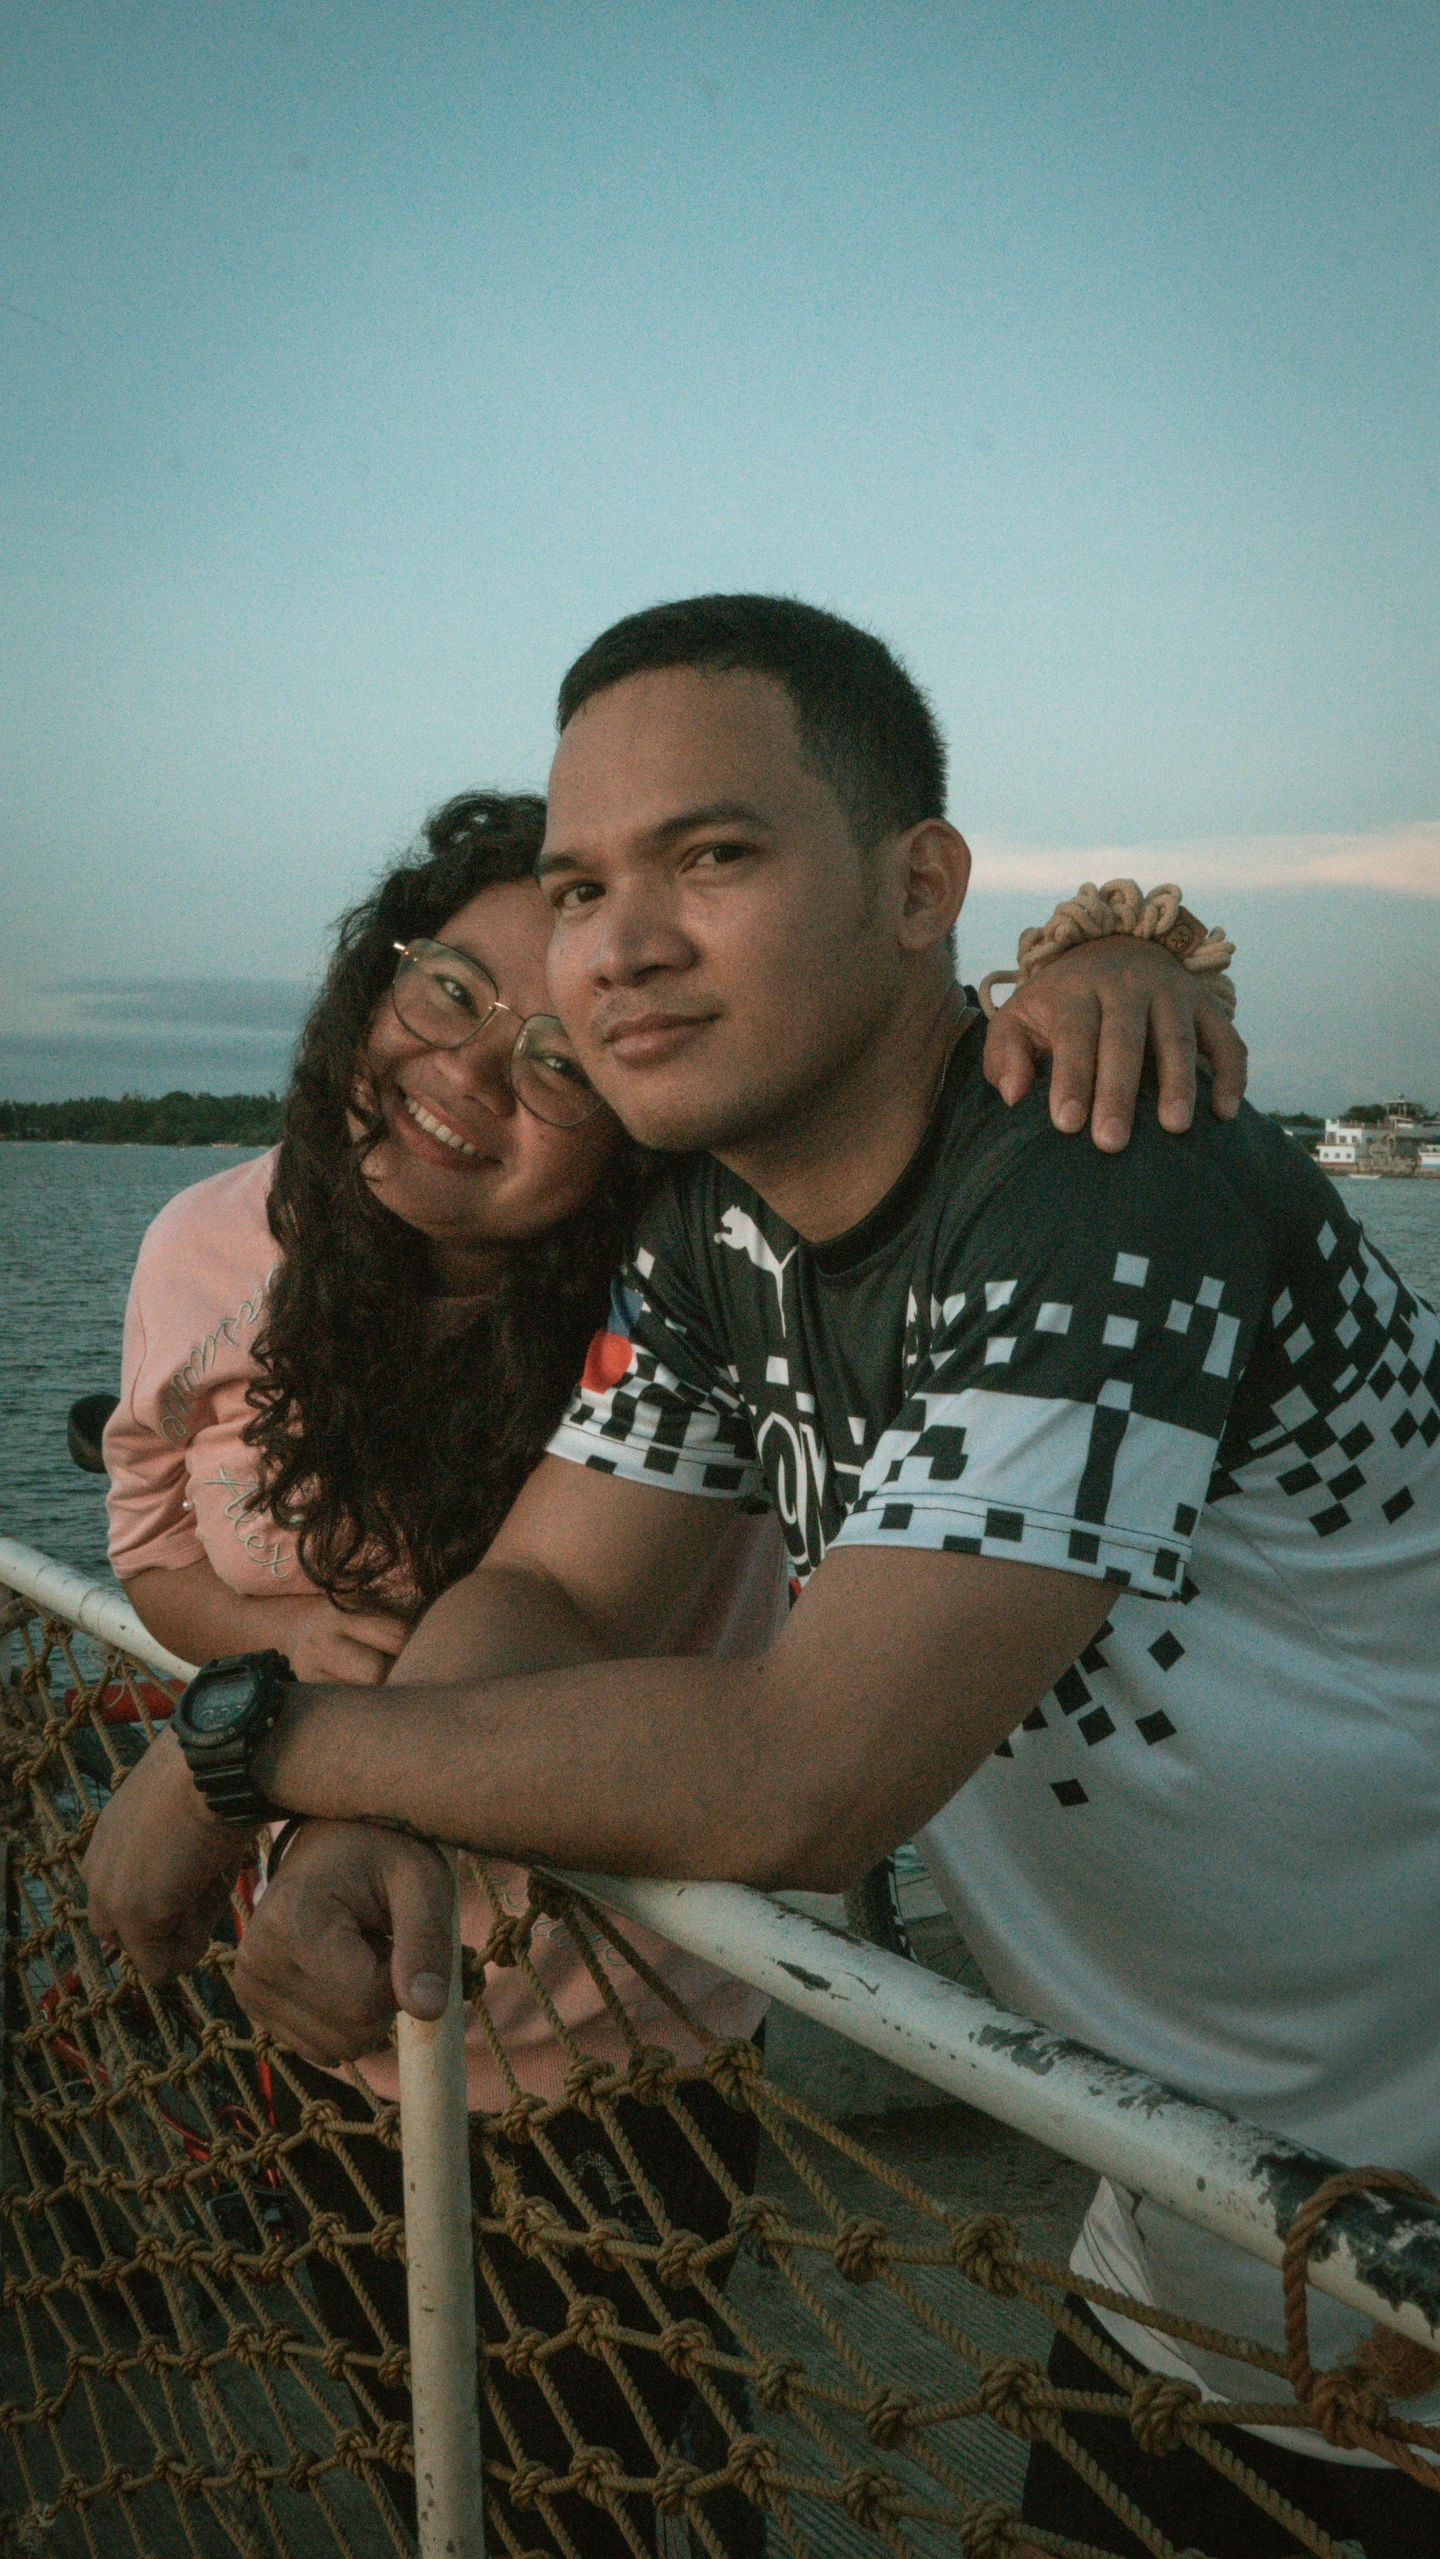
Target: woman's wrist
[[201, 1618], [1122, 907], [266, 1621]]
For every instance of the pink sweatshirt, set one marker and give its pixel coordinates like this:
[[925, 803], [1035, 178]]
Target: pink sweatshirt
[[179, 1475]]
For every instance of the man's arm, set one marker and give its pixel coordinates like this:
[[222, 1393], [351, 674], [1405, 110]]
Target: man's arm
[[357, 1922], [896, 1677], [897, 1674], [587, 1567]]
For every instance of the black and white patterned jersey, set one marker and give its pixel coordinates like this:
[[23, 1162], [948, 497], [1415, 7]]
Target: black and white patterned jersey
[[1214, 1847]]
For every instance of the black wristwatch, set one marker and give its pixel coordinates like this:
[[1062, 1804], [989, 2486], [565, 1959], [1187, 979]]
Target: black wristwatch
[[220, 1722]]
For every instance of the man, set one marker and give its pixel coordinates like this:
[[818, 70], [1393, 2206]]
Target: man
[[1068, 1448]]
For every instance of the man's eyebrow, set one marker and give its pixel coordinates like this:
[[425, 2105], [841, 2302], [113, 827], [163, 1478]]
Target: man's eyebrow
[[710, 813], [713, 813]]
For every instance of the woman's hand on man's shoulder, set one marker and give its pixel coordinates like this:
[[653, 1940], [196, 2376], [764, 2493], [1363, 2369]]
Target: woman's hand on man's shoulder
[[1097, 1013]]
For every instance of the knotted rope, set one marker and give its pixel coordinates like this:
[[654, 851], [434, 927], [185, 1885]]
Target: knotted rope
[[1344, 2403], [149, 2159]]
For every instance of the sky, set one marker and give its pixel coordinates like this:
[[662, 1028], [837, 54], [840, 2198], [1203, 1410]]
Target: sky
[[361, 362]]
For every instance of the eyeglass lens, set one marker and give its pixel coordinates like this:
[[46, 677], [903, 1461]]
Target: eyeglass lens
[[445, 1000]]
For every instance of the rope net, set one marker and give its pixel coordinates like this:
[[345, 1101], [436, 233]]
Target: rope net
[[710, 2321]]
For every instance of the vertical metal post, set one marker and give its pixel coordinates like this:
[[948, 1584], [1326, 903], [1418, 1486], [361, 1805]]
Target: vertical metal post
[[435, 2153]]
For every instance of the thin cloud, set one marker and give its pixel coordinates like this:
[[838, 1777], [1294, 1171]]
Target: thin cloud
[[1404, 860], [251, 1004], [39, 320]]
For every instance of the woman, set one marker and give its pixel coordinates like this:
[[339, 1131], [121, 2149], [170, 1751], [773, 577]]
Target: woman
[[342, 1359]]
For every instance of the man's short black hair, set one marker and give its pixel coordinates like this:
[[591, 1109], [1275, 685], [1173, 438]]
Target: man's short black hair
[[862, 721]]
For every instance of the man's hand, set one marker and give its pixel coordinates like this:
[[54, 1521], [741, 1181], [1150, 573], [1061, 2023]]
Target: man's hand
[[159, 1867], [355, 1925], [1092, 1013]]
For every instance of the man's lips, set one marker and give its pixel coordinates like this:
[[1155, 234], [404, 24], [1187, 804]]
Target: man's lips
[[642, 1039]]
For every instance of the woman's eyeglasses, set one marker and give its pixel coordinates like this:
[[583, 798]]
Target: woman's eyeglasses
[[445, 998]]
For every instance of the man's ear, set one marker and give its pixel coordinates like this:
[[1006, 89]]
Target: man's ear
[[931, 876]]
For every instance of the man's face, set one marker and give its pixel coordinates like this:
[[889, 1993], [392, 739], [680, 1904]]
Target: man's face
[[718, 955]]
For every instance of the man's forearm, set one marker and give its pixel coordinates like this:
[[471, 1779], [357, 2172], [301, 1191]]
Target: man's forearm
[[520, 1733], [892, 1681], [647, 1767]]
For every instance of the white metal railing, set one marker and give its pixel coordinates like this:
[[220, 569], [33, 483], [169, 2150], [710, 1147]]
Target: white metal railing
[[102, 1613], [434, 2144], [1245, 2185], [1228, 2177]]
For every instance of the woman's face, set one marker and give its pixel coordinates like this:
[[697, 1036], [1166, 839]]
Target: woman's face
[[500, 1175]]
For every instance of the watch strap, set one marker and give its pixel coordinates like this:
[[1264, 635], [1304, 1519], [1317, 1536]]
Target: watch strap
[[220, 1761]]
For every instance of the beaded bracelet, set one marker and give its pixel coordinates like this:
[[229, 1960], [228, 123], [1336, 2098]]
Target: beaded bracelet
[[1121, 906]]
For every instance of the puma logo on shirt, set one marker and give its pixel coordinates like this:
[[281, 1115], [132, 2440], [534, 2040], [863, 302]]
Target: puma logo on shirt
[[743, 1236]]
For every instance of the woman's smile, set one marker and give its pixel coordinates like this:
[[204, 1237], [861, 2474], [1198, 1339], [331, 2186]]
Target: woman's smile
[[440, 1130]]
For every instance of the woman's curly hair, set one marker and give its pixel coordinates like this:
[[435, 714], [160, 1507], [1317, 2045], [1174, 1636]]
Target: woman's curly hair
[[391, 1454]]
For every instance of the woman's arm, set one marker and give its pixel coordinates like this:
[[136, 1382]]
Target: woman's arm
[[199, 1617], [198, 1291]]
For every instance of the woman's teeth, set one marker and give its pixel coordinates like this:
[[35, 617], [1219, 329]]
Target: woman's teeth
[[436, 1128]]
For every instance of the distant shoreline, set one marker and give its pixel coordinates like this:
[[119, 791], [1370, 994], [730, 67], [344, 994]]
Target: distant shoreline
[[169, 1119], [256, 1119]]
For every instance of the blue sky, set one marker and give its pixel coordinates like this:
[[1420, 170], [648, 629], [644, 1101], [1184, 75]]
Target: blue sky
[[362, 362]]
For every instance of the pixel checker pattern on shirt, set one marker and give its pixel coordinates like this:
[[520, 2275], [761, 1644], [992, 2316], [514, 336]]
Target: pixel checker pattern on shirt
[[1213, 1848]]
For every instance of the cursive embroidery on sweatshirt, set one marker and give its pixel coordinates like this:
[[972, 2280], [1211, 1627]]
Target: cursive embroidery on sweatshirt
[[184, 1385]]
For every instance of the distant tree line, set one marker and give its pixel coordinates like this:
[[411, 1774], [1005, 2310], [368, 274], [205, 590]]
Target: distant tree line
[[253, 1119], [172, 1119], [1365, 1114]]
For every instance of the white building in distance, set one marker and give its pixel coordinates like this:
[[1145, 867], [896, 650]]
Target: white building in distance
[[1405, 1141]]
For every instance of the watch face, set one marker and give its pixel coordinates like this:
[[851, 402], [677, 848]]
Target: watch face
[[222, 1701]]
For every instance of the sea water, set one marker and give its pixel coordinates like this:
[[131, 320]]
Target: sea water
[[71, 1219]]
